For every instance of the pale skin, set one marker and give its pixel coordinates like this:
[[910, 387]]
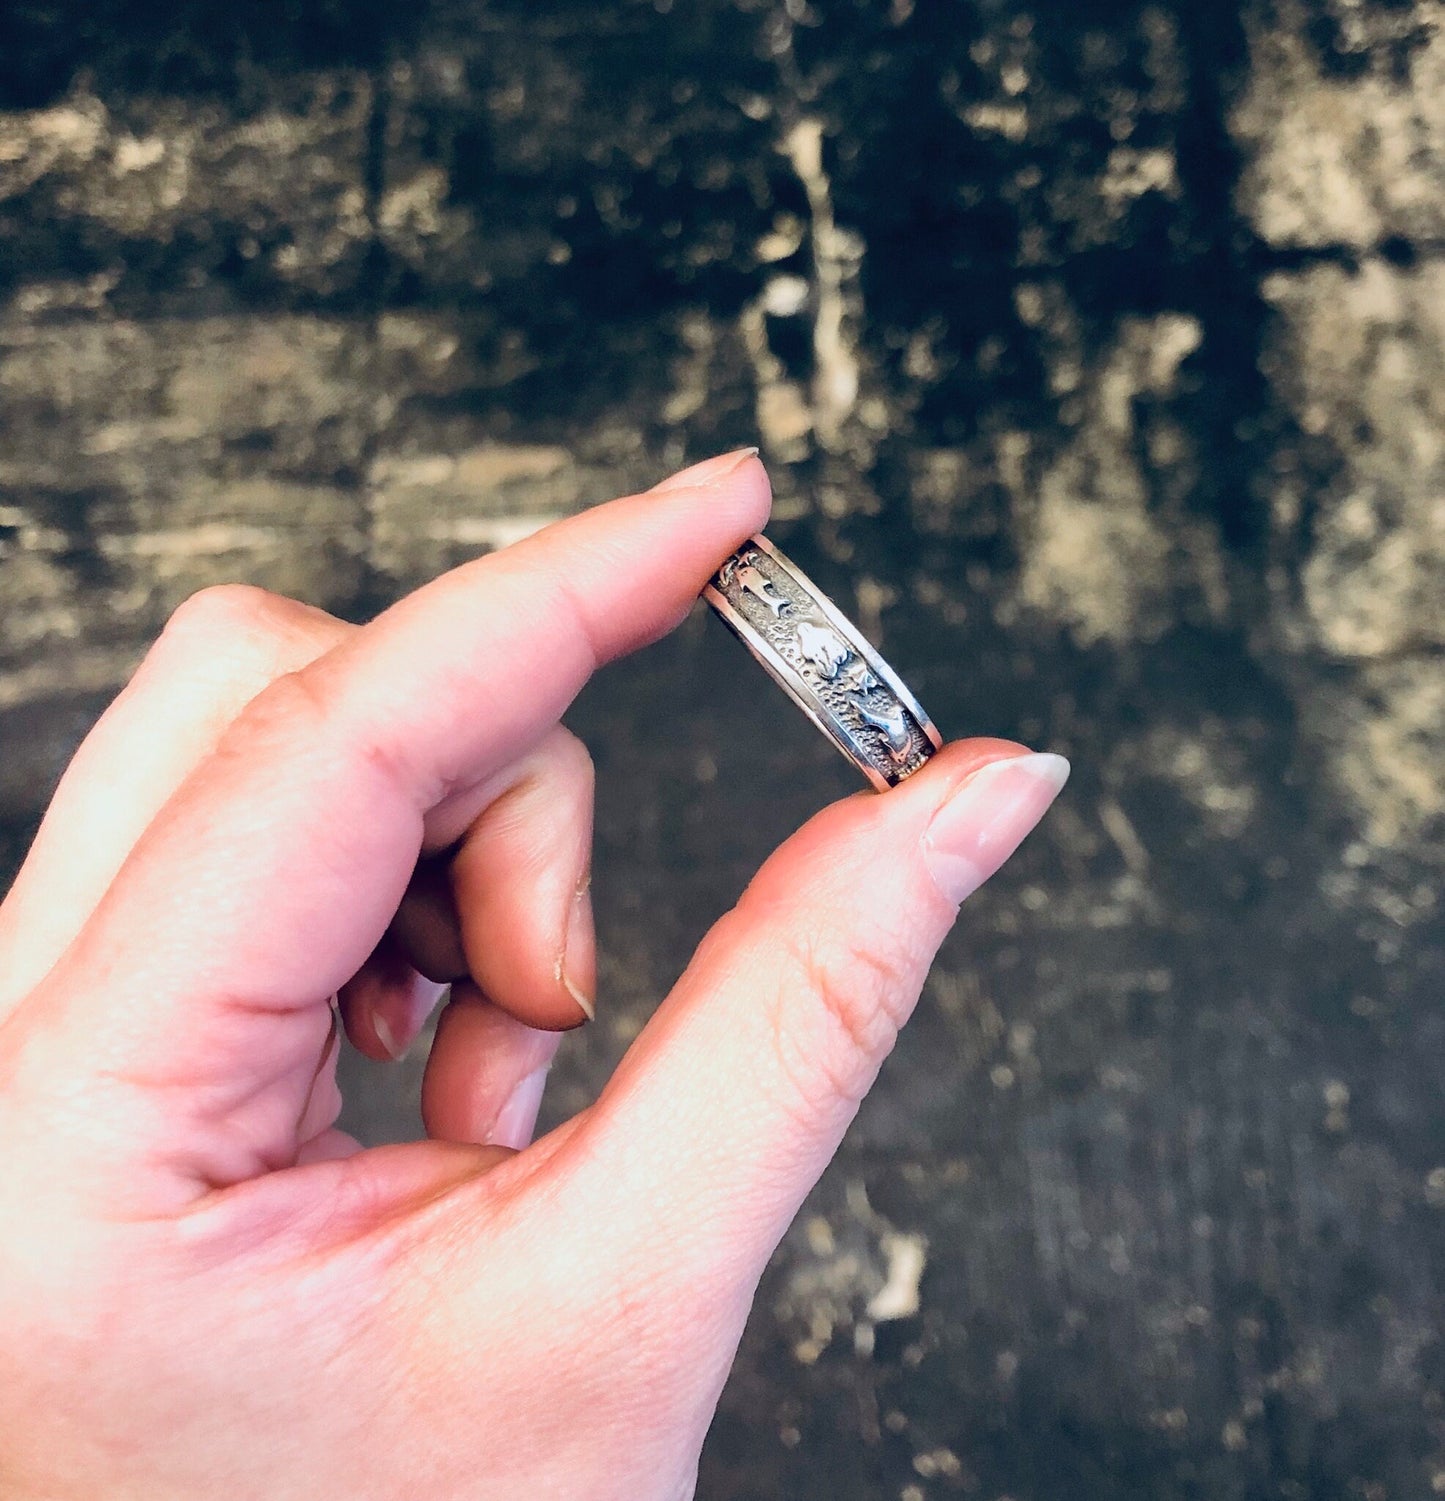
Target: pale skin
[[208, 1290]]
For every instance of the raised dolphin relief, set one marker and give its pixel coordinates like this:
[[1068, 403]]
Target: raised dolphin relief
[[891, 720], [857, 678], [760, 586], [827, 651], [834, 658], [821, 645], [830, 672]]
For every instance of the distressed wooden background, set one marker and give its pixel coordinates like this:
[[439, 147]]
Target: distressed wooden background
[[1096, 350]]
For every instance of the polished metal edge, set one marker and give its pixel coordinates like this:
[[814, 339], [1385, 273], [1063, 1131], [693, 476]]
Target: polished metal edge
[[796, 687], [850, 629], [805, 694]]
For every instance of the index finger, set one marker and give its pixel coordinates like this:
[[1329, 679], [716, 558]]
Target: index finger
[[274, 870]]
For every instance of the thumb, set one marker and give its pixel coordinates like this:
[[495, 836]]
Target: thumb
[[731, 1103]]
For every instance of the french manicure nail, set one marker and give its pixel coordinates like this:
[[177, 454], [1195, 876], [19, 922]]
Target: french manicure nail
[[987, 818], [709, 472], [517, 1119], [578, 955], [386, 1037]]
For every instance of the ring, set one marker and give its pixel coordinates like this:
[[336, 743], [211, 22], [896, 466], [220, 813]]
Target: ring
[[820, 659]]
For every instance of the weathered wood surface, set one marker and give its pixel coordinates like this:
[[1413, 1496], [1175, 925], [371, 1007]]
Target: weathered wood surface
[[1097, 351]]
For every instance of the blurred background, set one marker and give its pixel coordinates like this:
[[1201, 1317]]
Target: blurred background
[[1096, 353]]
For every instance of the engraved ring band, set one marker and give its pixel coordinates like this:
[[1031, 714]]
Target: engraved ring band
[[819, 657]]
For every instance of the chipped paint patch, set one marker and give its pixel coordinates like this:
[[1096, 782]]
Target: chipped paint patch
[[898, 1298]]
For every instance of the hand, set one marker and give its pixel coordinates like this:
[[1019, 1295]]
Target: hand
[[206, 1289]]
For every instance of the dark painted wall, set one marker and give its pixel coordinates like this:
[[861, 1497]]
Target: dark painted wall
[[1096, 350]]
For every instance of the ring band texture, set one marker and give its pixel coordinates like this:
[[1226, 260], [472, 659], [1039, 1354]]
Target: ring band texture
[[821, 660]]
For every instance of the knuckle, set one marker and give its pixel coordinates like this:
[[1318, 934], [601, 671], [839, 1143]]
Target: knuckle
[[573, 759], [219, 648], [227, 632], [296, 695], [288, 711], [223, 611], [304, 712], [557, 774], [841, 1003]]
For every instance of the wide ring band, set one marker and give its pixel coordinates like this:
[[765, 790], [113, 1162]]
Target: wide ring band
[[820, 659]]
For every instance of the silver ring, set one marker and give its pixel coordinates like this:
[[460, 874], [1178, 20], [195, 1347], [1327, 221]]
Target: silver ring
[[819, 657]]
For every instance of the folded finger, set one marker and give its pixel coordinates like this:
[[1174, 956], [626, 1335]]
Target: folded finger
[[521, 884], [284, 856], [385, 1004], [218, 651], [509, 908], [485, 1075], [427, 927]]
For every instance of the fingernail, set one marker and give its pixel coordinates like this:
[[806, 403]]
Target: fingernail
[[386, 1037], [709, 472], [987, 818], [579, 950], [517, 1119]]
